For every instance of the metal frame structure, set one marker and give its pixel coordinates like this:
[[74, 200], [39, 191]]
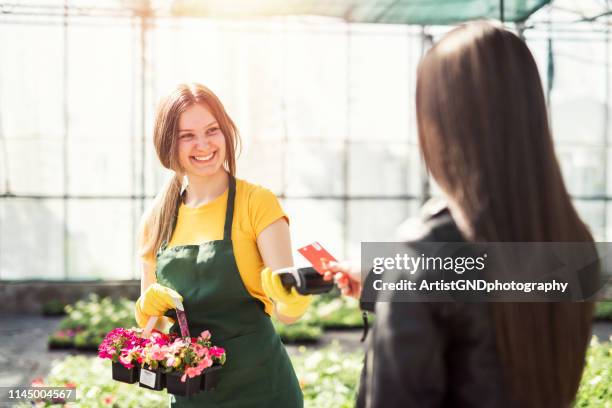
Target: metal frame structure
[[144, 18]]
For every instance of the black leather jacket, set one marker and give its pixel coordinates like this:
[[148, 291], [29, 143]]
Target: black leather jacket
[[432, 354]]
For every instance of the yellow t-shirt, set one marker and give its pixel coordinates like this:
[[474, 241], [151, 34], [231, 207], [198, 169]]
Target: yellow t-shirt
[[255, 208]]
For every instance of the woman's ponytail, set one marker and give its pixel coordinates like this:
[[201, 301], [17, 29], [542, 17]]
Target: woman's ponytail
[[161, 219]]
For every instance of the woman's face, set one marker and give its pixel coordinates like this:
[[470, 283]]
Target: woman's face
[[201, 146]]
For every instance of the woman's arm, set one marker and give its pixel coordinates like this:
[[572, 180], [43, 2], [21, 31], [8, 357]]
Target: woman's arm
[[147, 276], [152, 295], [274, 244]]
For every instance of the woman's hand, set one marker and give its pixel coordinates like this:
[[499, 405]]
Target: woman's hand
[[346, 276], [155, 301], [289, 304]]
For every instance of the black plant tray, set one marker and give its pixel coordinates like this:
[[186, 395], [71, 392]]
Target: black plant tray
[[160, 379], [126, 375], [210, 378], [175, 386]]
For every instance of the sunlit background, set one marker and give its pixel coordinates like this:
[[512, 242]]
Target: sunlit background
[[325, 107]]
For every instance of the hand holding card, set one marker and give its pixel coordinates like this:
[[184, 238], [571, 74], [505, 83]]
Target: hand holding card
[[347, 278], [317, 256]]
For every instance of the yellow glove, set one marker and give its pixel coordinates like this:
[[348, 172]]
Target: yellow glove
[[290, 304], [156, 301]]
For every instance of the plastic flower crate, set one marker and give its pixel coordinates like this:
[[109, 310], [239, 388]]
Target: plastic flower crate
[[210, 378], [156, 360], [124, 374], [190, 386], [153, 379]]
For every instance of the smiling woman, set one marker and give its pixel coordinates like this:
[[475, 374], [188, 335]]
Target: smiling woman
[[212, 244], [201, 143]]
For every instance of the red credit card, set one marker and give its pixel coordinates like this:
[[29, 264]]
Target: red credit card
[[317, 256]]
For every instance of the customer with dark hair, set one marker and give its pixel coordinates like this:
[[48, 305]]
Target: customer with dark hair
[[485, 138]]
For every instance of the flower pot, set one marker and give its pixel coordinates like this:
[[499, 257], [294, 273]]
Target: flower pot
[[210, 378], [152, 379], [126, 375], [175, 386]]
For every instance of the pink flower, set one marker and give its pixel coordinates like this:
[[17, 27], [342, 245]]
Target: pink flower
[[118, 341], [158, 352], [205, 335], [126, 360], [177, 346], [201, 351], [205, 363], [160, 338], [217, 351], [190, 372]]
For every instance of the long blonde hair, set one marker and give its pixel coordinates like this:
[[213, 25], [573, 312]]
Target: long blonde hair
[[160, 220]]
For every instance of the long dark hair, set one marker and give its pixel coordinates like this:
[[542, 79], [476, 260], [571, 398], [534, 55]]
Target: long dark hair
[[485, 138]]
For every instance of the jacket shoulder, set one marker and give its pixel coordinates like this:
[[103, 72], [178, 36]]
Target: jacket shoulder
[[434, 224]]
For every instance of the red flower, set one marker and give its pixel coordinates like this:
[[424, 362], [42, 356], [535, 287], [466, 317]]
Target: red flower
[[108, 400], [37, 382]]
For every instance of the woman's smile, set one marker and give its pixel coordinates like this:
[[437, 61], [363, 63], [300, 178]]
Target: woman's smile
[[201, 148], [204, 159]]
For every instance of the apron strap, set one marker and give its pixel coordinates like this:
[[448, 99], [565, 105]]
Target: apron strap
[[229, 212]]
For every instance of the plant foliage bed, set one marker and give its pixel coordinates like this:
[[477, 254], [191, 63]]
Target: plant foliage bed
[[603, 310], [328, 377], [328, 311], [95, 387], [596, 385], [88, 321], [301, 331]]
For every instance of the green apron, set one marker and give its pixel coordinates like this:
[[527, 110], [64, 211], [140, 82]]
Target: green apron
[[258, 371]]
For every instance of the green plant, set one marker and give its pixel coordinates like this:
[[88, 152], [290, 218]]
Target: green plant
[[603, 310], [299, 332], [338, 312], [596, 385], [88, 340], [54, 307], [61, 339], [95, 388], [94, 317], [329, 377]]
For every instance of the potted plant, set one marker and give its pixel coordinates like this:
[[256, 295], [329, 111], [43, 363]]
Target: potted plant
[[88, 340], [62, 339], [188, 362], [210, 377], [154, 355], [124, 348]]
